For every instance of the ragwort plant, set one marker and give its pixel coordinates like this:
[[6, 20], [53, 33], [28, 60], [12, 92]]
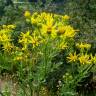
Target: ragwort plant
[[48, 34], [67, 33]]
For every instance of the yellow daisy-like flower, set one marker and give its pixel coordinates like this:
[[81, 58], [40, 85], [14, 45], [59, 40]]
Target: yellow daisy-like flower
[[72, 57], [35, 41], [4, 38], [84, 59], [83, 45], [87, 46], [43, 15], [61, 30], [8, 46], [69, 31], [24, 37], [33, 20], [49, 28], [27, 14], [35, 14]]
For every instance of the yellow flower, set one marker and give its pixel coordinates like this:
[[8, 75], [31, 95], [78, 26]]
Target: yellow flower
[[36, 18], [8, 46], [72, 57], [93, 59], [61, 30], [18, 58], [83, 45], [69, 31], [33, 20], [49, 27], [4, 38], [24, 37], [27, 14], [87, 46], [35, 41], [66, 17], [35, 14], [43, 15], [84, 59]]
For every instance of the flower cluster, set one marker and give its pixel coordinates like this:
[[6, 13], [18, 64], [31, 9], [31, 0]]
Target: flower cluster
[[83, 57], [5, 36], [49, 26]]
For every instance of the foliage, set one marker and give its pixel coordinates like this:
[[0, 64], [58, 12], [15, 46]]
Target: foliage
[[46, 36]]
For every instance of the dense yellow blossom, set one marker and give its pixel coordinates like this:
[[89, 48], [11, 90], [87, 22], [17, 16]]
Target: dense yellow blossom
[[69, 31], [25, 37], [48, 30], [8, 46], [52, 24], [83, 45], [35, 41], [72, 57], [43, 15], [33, 20], [49, 27], [27, 14], [84, 59], [61, 30], [4, 38]]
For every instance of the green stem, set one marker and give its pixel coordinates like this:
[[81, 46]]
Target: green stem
[[45, 58]]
